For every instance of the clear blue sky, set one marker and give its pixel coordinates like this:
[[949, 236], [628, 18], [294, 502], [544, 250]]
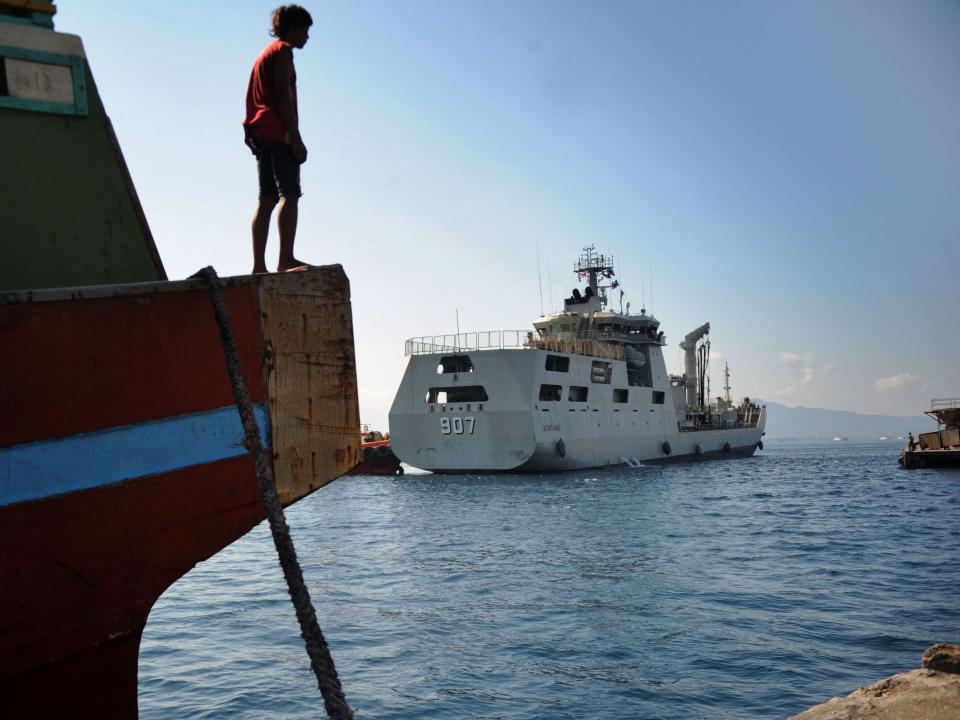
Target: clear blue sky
[[789, 172]]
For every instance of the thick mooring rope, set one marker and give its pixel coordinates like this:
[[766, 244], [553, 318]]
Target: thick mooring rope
[[320, 659]]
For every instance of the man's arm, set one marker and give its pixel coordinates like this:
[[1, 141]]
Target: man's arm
[[282, 67]]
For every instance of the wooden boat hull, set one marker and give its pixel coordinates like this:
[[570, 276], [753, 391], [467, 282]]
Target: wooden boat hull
[[122, 464], [940, 448]]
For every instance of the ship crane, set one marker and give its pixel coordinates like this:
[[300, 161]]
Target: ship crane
[[689, 347]]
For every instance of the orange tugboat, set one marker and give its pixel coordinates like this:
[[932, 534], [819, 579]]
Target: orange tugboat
[[377, 455]]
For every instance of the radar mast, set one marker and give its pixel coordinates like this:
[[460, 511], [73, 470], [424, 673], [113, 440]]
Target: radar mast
[[592, 264]]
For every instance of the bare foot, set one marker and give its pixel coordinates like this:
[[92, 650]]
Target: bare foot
[[259, 269], [292, 264]]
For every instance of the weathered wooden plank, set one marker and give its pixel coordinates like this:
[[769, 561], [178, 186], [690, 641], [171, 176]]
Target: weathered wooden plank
[[311, 378]]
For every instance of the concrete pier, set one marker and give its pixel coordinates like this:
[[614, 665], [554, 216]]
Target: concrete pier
[[930, 693]]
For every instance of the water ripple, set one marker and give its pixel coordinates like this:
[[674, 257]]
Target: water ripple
[[732, 589]]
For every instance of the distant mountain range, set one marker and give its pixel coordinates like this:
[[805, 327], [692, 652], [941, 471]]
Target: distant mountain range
[[817, 423]]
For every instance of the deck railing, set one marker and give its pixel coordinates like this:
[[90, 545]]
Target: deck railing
[[484, 340], [506, 339], [579, 346], [944, 403]]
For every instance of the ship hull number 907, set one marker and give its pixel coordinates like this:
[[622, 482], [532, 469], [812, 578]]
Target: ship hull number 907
[[456, 425]]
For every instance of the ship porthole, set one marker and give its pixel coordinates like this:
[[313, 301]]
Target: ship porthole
[[561, 448], [666, 448], [726, 447]]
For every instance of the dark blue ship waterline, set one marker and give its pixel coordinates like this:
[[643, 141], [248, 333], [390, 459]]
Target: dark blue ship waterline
[[732, 589]]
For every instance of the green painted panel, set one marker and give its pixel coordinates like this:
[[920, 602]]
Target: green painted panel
[[68, 215], [73, 63]]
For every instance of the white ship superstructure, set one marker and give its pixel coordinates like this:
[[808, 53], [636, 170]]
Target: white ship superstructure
[[587, 387]]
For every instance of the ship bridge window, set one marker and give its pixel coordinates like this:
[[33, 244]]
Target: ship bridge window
[[465, 394], [601, 372], [620, 395], [658, 397], [577, 394], [455, 364], [558, 363], [551, 393]]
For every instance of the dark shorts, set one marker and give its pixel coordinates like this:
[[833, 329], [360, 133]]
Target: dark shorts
[[279, 172]]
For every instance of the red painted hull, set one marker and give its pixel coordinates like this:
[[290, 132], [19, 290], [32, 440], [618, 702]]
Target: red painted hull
[[101, 363], [80, 570], [87, 568]]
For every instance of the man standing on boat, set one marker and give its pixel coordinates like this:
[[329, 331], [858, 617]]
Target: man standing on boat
[[272, 132]]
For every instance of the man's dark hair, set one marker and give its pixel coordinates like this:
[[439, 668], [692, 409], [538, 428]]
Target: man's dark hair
[[286, 16]]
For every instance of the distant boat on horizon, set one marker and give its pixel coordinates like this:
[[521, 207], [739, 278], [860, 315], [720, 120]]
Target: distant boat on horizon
[[840, 439]]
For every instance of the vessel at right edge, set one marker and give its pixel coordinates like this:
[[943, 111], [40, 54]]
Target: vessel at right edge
[[587, 387], [940, 448]]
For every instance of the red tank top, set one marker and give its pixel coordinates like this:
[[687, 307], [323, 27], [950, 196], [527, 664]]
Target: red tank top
[[262, 116]]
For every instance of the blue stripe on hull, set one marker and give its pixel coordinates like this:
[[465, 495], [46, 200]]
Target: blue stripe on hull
[[36, 470]]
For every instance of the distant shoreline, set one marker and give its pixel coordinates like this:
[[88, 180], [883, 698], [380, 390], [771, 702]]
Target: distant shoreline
[[801, 423]]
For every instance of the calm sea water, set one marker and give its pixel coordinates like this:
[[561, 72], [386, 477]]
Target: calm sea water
[[732, 589]]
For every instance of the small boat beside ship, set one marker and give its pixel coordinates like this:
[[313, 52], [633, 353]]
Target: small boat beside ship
[[587, 387], [377, 457], [940, 448]]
